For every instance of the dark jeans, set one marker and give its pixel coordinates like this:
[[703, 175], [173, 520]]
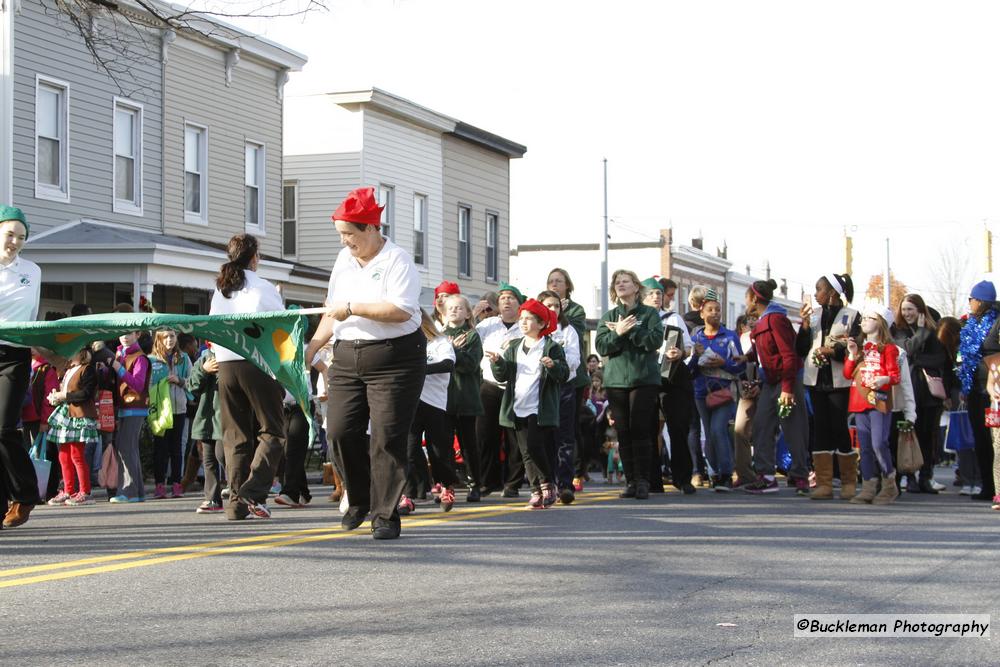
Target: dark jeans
[[432, 424], [167, 448], [830, 432], [562, 453], [531, 439], [378, 381], [584, 441], [17, 474], [489, 435], [212, 456], [977, 403], [465, 428], [253, 429], [293, 482], [632, 410]]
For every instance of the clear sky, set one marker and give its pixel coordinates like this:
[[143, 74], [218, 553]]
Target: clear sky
[[771, 126]]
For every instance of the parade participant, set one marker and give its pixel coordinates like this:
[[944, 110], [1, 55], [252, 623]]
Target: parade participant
[[558, 281], [464, 402], [629, 336], [206, 428], [431, 422], [773, 340], [496, 333], [980, 338], [915, 330], [72, 424], [822, 341], [562, 454], [36, 412], [131, 366], [534, 369], [676, 391], [20, 285], [873, 369], [253, 422], [379, 362], [716, 362], [170, 363], [749, 387], [693, 320], [441, 294], [294, 484]]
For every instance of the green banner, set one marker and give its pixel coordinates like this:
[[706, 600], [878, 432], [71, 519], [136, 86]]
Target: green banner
[[271, 341]]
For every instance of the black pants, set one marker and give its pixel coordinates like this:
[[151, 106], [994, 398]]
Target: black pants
[[380, 381], [633, 410], [167, 449], [464, 426], [531, 441], [676, 401], [431, 424], [248, 395], [491, 436], [293, 482], [17, 474], [212, 457], [830, 432], [584, 441], [928, 430], [977, 402]]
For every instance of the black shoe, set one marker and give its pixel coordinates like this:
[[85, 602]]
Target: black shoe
[[629, 492], [354, 517], [510, 493], [566, 496], [688, 489], [385, 529], [473, 496], [642, 490], [925, 486]]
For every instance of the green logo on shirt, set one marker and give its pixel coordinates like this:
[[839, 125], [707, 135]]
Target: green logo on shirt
[[25, 279], [377, 275]]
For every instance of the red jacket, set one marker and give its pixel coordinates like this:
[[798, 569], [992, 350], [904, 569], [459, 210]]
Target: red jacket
[[874, 362], [774, 346]]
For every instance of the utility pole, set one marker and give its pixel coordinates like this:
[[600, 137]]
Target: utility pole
[[989, 249], [886, 287], [604, 246], [848, 254]]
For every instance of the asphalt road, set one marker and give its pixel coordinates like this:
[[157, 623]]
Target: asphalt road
[[601, 582]]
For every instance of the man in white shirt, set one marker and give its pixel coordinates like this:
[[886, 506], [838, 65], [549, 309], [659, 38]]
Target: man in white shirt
[[379, 362], [20, 289]]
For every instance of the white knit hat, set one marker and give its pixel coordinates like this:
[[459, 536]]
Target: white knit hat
[[881, 310]]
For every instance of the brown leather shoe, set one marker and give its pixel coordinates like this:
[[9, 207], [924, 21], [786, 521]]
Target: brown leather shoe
[[17, 515]]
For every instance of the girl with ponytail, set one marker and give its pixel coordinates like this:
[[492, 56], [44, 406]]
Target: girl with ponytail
[[243, 255]]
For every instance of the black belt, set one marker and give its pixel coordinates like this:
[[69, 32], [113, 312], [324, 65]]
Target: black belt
[[359, 343]]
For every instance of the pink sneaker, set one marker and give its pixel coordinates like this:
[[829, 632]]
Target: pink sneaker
[[549, 495], [80, 498], [59, 499], [161, 492], [535, 503], [405, 506], [447, 499], [177, 491]]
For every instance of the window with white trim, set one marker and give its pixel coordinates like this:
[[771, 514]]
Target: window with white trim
[[387, 198], [51, 139], [492, 256], [419, 228], [128, 157], [195, 174], [289, 218], [465, 241], [253, 190]]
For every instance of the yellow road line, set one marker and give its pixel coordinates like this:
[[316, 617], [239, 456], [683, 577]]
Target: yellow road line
[[165, 555]]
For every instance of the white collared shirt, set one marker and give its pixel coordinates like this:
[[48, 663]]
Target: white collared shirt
[[570, 342], [390, 277], [435, 391], [495, 336], [257, 296], [529, 378], [20, 291]]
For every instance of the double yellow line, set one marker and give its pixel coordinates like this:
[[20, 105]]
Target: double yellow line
[[83, 567]]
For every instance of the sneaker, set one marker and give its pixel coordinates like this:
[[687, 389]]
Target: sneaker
[[762, 485], [904, 483], [535, 503], [473, 496], [436, 492], [510, 492], [225, 493], [577, 484], [405, 506], [161, 492], [59, 499], [801, 487], [257, 510], [208, 507], [176, 491], [125, 499], [276, 488], [566, 496], [724, 485], [80, 498], [965, 491], [548, 494], [447, 499], [937, 486], [977, 490], [305, 500], [286, 501]]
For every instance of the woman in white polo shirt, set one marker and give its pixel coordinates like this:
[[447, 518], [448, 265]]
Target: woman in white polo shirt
[[379, 362], [20, 289]]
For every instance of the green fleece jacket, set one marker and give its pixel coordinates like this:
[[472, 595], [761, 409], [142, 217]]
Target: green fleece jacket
[[552, 379], [206, 424], [463, 388], [630, 359]]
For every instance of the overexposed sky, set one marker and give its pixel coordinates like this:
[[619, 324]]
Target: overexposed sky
[[771, 126]]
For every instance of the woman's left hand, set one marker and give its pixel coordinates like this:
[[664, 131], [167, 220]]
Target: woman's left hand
[[547, 362]]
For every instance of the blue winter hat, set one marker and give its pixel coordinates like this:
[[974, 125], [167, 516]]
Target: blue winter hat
[[984, 291]]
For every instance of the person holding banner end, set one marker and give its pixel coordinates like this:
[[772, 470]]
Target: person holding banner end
[[379, 362], [20, 290]]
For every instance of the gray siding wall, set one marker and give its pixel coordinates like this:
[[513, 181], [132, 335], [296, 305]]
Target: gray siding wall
[[248, 109], [480, 179], [46, 44], [407, 157], [322, 183]]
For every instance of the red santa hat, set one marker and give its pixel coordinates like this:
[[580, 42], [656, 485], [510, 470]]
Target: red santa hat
[[548, 317], [360, 206]]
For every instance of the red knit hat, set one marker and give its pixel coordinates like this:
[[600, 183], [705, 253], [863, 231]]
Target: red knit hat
[[536, 308], [446, 287], [360, 206]]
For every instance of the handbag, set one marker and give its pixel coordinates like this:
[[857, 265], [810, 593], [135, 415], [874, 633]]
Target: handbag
[[718, 397], [108, 475], [909, 458], [935, 385], [105, 411], [42, 465], [161, 408], [958, 435]]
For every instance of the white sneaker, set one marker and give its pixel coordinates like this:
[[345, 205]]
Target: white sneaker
[[903, 483], [937, 486], [976, 490], [286, 500], [965, 491]]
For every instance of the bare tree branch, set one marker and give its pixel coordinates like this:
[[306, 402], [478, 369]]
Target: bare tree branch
[[952, 274]]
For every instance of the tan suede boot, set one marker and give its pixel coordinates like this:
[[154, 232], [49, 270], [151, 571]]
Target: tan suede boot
[[868, 489], [848, 475], [339, 491], [191, 467], [327, 473], [888, 493], [823, 466]]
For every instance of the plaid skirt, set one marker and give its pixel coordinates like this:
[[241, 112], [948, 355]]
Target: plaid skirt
[[63, 428]]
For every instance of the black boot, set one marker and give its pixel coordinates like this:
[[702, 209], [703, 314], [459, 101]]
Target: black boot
[[630, 491], [642, 490]]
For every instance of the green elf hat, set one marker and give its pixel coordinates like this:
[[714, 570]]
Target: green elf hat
[[652, 283], [14, 213], [507, 287]]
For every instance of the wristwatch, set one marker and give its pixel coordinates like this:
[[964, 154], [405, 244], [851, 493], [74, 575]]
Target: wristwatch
[[349, 313]]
